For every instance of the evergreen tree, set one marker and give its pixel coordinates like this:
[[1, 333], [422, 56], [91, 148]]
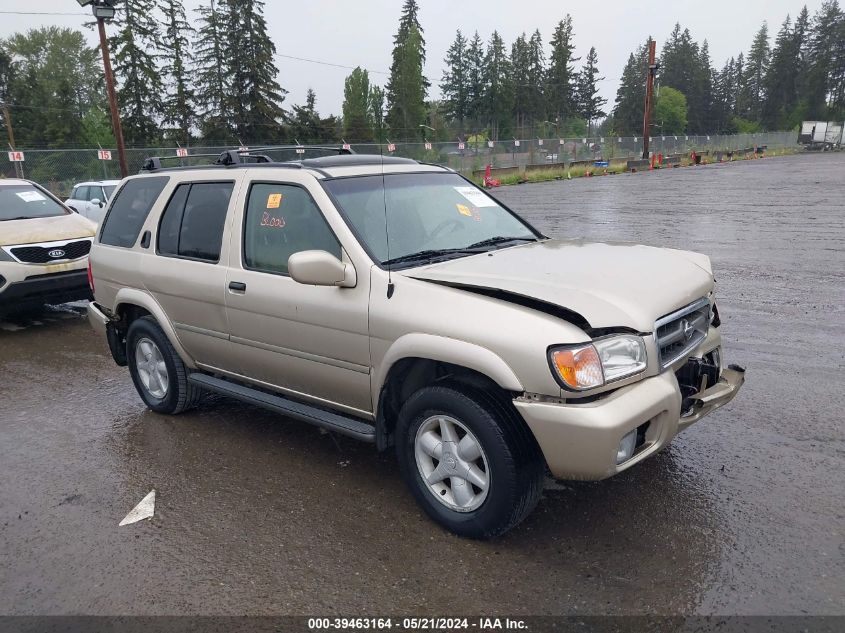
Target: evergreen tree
[[755, 72], [455, 83], [306, 126], [561, 77], [211, 81], [137, 72], [475, 82], [498, 87], [700, 117], [827, 62], [357, 107], [519, 80], [629, 107], [178, 105], [536, 79], [590, 103], [407, 86], [724, 98], [255, 98], [800, 47], [780, 79]]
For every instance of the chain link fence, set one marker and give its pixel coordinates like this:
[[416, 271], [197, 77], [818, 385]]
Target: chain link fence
[[59, 170]]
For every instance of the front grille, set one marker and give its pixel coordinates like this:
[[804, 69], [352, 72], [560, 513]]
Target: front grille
[[41, 254], [682, 331]]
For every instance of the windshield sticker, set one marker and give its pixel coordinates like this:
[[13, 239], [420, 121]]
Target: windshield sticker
[[463, 209], [477, 198], [272, 221], [274, 201], [31, 196]]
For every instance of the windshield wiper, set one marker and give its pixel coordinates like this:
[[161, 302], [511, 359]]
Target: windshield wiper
[[501, 239], [428, 255]]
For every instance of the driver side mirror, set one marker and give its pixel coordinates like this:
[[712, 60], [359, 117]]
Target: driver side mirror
[[319, 268], [97, 201]]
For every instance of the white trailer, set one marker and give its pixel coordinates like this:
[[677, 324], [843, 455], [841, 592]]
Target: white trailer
[[821, 134]]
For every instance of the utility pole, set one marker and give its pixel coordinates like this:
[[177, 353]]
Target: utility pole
[[7, 119], [649, 95], [115, 114], [104, 10]]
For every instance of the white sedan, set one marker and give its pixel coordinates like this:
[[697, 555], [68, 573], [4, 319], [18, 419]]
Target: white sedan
[[89, 199]]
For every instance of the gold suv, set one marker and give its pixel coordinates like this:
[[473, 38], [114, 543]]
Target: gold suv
[[398, 303]]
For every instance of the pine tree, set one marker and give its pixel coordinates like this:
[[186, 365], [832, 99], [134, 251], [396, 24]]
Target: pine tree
[[178, 106], [136, 70], [755, 71], [700, 97], [255, 98], [536, 79], [590, 103], [560, 80], [407, 86], [520, 64], [724, 98], [376, 112], [498, 87], [629, 107], [780, 79], [357, 113], [827, 62], [211, 81], [455, 83], [306, 126], [475, 82]]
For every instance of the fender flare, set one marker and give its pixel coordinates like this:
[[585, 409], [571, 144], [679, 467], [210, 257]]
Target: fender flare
[[144, 300], [447, 350]]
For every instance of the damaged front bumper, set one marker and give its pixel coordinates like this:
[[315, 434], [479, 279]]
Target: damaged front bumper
[[580, 441]]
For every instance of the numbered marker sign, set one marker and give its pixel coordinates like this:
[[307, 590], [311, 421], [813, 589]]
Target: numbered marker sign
[[104, 154], [243, 149], [16, 157], [428, 145], [181, 152], [347, 146], [539, 141], [300, 150], [561, 142], [490, 144], [516, 143], [391, 147], [461, 146]]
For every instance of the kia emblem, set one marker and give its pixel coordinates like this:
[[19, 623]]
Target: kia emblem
[[56, 253]]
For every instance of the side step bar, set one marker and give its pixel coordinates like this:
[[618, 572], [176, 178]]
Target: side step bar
[[328, 420]]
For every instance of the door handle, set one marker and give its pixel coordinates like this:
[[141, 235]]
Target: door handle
[[238, 286]]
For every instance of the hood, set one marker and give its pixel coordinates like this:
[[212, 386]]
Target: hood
[[609, 285], [57, 227]]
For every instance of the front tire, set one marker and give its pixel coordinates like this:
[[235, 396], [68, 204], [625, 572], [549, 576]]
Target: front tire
[[469, 460], [156, 369]]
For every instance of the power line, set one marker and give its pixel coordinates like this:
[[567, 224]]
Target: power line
[[322, 63], [39, 13]]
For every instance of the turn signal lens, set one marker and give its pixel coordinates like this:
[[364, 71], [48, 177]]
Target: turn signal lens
[[578, 367]]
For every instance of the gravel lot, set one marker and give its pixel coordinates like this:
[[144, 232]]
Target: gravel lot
[[258, 514]]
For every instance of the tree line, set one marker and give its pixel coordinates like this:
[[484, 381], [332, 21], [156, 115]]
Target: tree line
[[211, 77]]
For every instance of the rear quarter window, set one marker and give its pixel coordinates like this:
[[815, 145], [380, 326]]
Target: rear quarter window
[[131, 206]]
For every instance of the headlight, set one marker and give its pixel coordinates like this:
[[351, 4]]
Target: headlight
[[595, 364]]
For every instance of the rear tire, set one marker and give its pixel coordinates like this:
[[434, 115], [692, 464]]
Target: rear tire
[[447, 432], [156, 369]]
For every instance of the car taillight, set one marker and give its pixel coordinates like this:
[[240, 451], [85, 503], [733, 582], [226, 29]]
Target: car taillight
[[90, 276]]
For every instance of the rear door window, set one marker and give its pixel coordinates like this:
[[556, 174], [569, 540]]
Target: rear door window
[[130, 209], [192, 224], [281, 220]]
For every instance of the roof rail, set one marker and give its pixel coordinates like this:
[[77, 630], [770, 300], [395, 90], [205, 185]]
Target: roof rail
[[242, 156]]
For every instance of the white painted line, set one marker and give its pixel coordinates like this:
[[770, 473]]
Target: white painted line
[[143, 510]]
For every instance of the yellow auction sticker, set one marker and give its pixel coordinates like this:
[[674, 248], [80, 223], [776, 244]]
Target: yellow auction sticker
[[463, 209], [274, 201]]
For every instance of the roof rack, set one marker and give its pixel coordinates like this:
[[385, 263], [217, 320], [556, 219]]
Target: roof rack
[[241, 156]]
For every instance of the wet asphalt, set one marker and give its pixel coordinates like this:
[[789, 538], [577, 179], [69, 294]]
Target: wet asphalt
[[258, 514]]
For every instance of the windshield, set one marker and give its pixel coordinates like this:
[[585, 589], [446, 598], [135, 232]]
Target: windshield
[[23, 202], [429, 215]]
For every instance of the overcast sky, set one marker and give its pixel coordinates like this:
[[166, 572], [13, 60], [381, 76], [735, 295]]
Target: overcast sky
[[360, 32]]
